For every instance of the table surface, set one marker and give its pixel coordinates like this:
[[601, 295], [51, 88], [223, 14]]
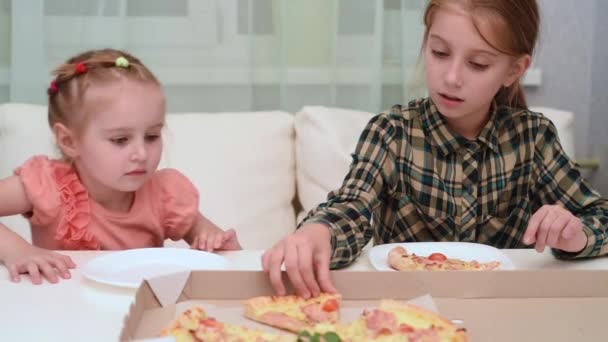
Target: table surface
[[54, 312]]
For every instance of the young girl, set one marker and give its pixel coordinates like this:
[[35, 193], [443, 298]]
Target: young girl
[[468, 163], [107, 112]]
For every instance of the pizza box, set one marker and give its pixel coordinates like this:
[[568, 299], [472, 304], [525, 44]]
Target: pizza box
[[547, 305]]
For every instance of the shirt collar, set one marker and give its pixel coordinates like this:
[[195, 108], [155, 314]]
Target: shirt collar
[[442, 137]]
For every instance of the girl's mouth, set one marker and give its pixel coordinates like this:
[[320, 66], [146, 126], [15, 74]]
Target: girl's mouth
[[450, 98]]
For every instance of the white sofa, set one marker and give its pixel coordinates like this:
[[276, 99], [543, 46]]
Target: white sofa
[[254, 170]]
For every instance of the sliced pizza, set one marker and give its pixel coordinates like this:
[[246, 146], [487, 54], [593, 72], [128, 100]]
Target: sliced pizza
[[293, 313], [195, 326], [400, 260], [394, 321]]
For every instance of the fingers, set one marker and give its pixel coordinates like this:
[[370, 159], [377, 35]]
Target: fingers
[[305, 264], [202, 241], [48, 271], [275, 260], [293, 271], [544, 228], [68, 261], [266, 260], [556, 229], [61, 263], [32, 269], [231, 241], [572, 228], [533, 225], [322, 271], [218, 241], [194, 244], [39, 264], [13, 273]]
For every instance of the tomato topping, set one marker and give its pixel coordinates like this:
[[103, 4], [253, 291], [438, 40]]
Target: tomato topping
[[209, 322], [330, 305], [437, 257], [404, 328]]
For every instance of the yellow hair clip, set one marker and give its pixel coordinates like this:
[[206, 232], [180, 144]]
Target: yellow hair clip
[[122, 62]]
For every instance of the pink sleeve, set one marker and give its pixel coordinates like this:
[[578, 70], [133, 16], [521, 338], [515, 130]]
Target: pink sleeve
[[38, 177], [179, 203]]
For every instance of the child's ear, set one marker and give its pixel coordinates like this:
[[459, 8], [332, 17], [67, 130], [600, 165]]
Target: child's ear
[[66, 139], [518, 68]]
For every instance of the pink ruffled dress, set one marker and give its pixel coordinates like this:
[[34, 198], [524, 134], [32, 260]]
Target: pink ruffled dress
[[65, 218]]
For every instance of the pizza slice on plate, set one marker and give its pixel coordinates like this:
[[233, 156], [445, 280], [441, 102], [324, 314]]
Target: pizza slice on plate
[[401, 260]]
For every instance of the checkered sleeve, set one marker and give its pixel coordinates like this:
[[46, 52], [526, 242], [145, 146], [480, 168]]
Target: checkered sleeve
[[559, 181], [348, 210]]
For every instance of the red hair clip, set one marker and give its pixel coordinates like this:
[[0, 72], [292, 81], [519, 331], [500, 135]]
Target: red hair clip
[[81, 68], [52, 88]]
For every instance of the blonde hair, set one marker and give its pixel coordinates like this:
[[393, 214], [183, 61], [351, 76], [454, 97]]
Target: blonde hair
[[517, 23], [67, 92]]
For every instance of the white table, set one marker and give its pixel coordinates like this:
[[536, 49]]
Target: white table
[[79, 309]]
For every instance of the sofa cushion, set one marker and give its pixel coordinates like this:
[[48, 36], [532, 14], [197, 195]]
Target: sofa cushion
[[325, 139], [244, 167], [242, 163]]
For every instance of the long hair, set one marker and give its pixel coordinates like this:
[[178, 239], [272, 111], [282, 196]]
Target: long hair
[[517, 23]]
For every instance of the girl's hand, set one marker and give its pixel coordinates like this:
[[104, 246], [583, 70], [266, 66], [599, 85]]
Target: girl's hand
[[555, 227], [306, 254], [216, 239], [37, 261]]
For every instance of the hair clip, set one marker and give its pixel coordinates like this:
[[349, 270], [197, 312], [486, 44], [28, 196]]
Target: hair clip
[[122, 62], [81, 68], [52, 88]]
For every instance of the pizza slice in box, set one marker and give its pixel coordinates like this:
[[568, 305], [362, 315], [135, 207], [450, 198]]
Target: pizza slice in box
[[195, 326], [392, 321], [294, 313]]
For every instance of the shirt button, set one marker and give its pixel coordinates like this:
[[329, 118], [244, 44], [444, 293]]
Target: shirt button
[[471, 146]]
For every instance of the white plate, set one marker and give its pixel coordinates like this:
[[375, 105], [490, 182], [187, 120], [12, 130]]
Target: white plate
[[129, 267], [467, 251]]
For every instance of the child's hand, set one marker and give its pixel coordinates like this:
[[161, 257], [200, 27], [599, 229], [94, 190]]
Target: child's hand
[[306, 254], [37, 261], [216, 239], [555, 227]]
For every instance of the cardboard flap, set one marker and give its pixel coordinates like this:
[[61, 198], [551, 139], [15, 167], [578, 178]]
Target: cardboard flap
[[168, 288], [425, 302]]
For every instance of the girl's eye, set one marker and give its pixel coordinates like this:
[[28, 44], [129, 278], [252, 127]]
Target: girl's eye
[[152, 137], [478, 66], [119, 141], [439, 54]]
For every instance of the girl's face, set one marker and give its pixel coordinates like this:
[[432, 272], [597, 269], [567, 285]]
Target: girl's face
[[463, 72], [121, 144]]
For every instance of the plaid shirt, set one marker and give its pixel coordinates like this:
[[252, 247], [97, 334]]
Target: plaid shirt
[[411, 179]]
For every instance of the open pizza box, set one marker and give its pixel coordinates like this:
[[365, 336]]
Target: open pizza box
[[493, 306]]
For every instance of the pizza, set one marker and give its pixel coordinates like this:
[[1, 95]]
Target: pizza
[[390, 321], [400, 260], [294, 313], [394, 321], [195, 326]]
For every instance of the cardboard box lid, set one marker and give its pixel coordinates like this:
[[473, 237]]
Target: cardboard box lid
[[519, 297]]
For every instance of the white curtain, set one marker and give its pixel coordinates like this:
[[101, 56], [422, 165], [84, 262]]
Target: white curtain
[[225, 55]]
